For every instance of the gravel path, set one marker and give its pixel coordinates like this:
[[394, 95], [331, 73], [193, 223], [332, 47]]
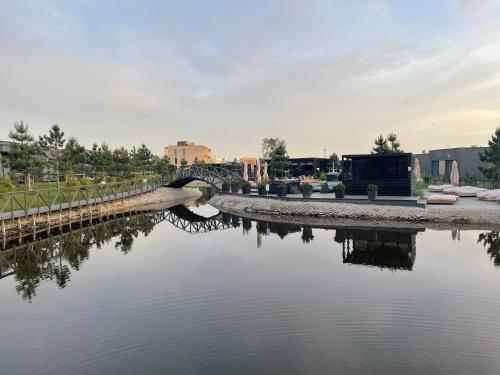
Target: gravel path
[[328, 211]]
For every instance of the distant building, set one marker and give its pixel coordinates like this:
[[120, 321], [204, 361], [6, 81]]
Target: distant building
[[306, 166], [188, 151], [4, 153], [437, 163]]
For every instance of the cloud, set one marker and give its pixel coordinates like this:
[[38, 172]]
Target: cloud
[[320, 75]]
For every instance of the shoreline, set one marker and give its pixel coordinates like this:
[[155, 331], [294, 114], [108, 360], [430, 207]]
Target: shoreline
[[323, 214]]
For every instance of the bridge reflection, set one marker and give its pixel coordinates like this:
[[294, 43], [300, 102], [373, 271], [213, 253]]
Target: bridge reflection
[[52, 257]]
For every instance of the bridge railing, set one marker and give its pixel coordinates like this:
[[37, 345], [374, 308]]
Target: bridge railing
[[25, 203], [206, 172]]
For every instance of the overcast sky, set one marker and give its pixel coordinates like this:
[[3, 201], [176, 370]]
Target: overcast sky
[[318, 73]]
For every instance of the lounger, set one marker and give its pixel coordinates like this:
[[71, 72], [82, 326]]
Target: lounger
[[442, 199], [489, 195], [438, 188], [464, 191]]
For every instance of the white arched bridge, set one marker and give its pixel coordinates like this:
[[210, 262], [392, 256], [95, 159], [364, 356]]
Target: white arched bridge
[[210, 174]]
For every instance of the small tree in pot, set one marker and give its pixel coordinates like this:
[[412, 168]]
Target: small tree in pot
[[246, 188], [262, 188], [226, 186], [372, 191], [306, 190], [282, 190], [339, 190], [235, 185]]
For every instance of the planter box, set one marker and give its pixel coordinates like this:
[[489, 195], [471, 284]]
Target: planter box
[[339, 194], [262, 191], [246, 189], [372, 195], [235, 189], [306, 194]]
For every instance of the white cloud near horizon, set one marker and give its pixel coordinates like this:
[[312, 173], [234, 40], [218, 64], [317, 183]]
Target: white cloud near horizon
[[319, 74]]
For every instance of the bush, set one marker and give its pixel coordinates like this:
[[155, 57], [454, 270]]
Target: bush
[[6, 185], [372, 187], [262, 188], [469, 180], [235, 182], [245, 183], [420, 189], [322, 176], [282, 190], [305, 187], [86, 181], [340, 188], [72, 181]]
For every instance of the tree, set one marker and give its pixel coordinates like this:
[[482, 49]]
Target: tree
[[491, 156], [53, 143], [333, 160], [382, 145], [143, 158], [25, 155], [73, 156], [395, 145], [279, 161], [270, 145], [162, 166]]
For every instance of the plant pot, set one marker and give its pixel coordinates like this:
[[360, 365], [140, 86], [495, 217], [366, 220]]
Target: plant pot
[[372, 195], [263, 191], [246, 189], [282, 193], [235, 189], [306, 194], [226, 188], [339, 194]]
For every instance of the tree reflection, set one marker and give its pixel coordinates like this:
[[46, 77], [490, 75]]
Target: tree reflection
[[54, 258], [491, 241]]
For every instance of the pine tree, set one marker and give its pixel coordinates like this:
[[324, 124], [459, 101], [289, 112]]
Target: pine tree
[[380, 146], [25, 154], [491, 156], [53, 143], [279, 161]]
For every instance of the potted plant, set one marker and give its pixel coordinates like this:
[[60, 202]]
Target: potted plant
[[226, 186], [235, 185], [246, 187], [262, 188], [372, 191], [306, 190], [282, 190], [339, 190]]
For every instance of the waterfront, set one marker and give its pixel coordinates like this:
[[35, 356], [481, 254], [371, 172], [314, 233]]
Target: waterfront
[[147, 295]]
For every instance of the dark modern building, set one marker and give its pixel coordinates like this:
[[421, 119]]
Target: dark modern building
[[437, 163], [392, 173], [308, 166]]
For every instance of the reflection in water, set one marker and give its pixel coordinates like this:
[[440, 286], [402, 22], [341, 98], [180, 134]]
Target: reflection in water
[[491, 240], [56, 257], [393, 249]]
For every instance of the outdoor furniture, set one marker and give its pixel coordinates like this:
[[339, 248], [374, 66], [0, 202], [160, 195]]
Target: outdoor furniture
[[464, 191], [489, 195], [442, 199], [439, 188]]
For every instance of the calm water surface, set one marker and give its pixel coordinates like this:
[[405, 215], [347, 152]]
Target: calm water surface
[[172, 293]]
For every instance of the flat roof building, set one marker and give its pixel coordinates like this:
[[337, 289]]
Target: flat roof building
[[437, 163], [189, 151]]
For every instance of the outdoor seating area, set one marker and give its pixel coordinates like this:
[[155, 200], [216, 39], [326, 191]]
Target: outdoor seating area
[[444, 194]]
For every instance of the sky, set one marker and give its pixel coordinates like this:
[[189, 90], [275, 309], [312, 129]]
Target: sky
[[321, 74]]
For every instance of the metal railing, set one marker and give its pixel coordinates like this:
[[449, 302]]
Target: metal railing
[[32, 202]]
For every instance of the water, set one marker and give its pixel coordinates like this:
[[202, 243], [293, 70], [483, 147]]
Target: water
[[143, 295]]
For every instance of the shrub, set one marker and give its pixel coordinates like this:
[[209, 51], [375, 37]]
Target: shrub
[[322, 176], [372, 187], [85, 181], [245, 183], [226, 186], [420, 189], [6, 185], [262, 188], [235, 182], [72, 181], [282, 190], [339, 188], [305, 187]]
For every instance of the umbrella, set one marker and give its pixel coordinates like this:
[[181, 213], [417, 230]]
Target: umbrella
[[258, 179], [245, 171], [265, 176], [454, 176], [417, 170]]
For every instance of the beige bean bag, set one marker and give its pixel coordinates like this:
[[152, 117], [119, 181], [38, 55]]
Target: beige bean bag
[[464, 191], [438, 188], [442, 199], [489, 195]]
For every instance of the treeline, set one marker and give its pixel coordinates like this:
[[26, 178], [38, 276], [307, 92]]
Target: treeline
[[53, 155]]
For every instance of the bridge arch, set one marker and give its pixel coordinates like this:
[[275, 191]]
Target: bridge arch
[[210, 174]]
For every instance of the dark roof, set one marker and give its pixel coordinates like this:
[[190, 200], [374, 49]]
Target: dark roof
[[366, 156]]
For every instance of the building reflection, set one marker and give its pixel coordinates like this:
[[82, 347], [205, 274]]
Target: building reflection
[[393, 249]]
